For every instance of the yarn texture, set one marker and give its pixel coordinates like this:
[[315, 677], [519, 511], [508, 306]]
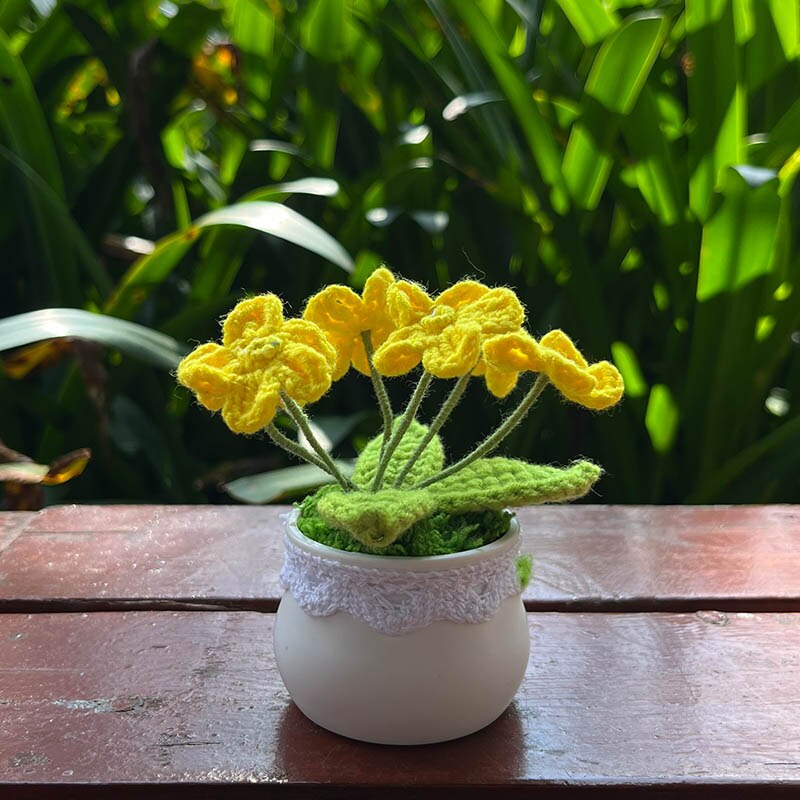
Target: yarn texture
[[447, 340], [379, 518], [261, 355], [596, 386], [344, 316], [395, 602], [429, 463]]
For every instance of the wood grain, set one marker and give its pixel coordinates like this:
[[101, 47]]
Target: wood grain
[[12, 523], [689, 703], [586, 558]]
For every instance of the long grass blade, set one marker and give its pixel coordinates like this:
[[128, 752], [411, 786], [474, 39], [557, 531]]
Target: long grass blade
[[58, 323]]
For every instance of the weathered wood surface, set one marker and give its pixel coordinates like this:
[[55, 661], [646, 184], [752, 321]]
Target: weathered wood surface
[[587, 558], [12, 523], [693, 702]]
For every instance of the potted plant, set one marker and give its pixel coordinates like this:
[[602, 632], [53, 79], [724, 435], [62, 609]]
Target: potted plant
[[402, 621]]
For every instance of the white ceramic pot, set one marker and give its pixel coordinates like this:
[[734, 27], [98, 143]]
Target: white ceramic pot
[[401, 650]]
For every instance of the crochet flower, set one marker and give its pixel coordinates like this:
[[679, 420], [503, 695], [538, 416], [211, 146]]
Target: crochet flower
[[596, 386], [448, 338], [261, 355], [344, 316]]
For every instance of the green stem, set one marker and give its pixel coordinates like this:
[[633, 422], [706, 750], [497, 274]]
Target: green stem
[[294, 448], [452, 401], [301, 420], [380, 391], [402, 427], [494, 439]]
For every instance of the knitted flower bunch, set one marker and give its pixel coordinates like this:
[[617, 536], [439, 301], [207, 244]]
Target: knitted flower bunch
[[266, 363]]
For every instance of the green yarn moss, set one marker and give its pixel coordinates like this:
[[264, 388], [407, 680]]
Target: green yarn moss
[[525, 569], [439, 534]]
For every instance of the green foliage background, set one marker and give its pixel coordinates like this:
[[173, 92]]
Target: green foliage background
[[628, 167]]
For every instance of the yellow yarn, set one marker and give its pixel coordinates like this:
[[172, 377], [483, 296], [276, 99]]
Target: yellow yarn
[[596, 386], [447, 336], [344, 316], [261, 355]]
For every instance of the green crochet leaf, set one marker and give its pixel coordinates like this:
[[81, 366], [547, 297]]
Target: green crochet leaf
[[500, 482], [429, 463], [376, 519]]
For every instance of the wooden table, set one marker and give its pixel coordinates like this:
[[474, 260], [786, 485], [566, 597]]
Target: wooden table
[[136, 660]]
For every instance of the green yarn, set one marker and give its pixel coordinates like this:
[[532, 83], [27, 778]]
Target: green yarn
[[376, 519], [439, 534], [524, 570], [429, 463]]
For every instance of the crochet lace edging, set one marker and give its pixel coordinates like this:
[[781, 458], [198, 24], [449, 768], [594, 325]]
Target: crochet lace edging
[[395, 602]]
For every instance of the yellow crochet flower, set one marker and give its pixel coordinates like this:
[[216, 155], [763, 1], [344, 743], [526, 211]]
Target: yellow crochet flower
[[261, 355], [344, 316], [596, 386], [447, 338]]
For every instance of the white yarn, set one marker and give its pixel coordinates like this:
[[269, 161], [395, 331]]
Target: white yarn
[[394, 602]]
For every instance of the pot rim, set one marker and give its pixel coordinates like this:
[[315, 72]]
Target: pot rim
[[507, 542]]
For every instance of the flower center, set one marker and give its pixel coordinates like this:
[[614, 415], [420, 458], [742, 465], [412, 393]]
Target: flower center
[[259, 353], [438, 319]]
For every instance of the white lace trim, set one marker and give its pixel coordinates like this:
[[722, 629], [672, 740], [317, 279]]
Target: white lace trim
[[394, 602]]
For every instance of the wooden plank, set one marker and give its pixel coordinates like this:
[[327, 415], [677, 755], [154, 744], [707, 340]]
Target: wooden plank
[[679, 558], [692, 703], [12, 523], [117, 556], [586, 558]]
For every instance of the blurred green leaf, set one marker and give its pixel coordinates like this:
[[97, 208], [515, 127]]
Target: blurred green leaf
[[738, 240], [262, 216], [11, 12], [23, 126], [717, 100], [615, 80], [60, 219], [539, 137], [326, 29], [592, 19], [662, 418], [279, 484], [55, 323]]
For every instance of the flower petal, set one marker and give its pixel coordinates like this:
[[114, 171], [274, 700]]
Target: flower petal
[[401, 351], [407, 303], [498, 311], [307, 333], [513, 352], [337, 310], [500, 384], [207, 372], [608, 389], [374, 297], [251, 403], [559, 342], [254, 316], [453, 352], [461, 293], [304, 372]]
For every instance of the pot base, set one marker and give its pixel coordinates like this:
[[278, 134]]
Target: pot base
[[435, 684]]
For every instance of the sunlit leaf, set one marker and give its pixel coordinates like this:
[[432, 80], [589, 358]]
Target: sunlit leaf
[[67, 467], [63, 469], [738, 240], [266, 217], [615, 81], [717, 100], [267, 487], [591, 19], [55, 323], [466, 102], [662, 419], [27, 359]]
